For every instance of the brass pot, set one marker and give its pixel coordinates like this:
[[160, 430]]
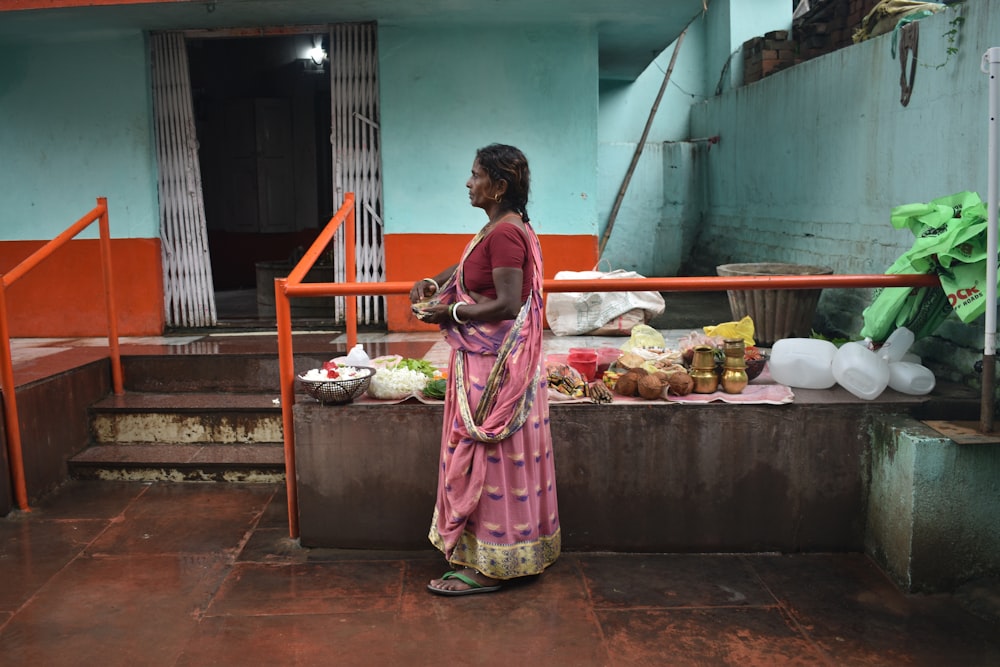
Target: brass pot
[[706, 380], [734, 380]]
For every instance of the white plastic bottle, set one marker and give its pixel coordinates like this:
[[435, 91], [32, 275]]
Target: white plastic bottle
[[896, 345], [910, 378], [860, 371], [803, 362]]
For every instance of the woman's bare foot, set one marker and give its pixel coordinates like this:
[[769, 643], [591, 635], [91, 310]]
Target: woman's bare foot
[[465, 581]]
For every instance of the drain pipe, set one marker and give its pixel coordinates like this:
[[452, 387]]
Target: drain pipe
[[639, 147], [991, 66]]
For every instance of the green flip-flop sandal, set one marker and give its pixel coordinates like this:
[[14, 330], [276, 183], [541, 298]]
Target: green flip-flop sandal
[[474, 587]]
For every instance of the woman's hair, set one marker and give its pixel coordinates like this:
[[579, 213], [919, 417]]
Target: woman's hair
[[506, 163]]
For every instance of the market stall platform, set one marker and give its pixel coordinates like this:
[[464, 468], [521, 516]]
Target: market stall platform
[[644, 476]]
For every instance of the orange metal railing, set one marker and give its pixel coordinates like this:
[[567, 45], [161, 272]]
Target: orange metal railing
[[293, 287], [13, 426]]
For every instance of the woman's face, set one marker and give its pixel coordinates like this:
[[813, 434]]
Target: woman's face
[[481, 187]]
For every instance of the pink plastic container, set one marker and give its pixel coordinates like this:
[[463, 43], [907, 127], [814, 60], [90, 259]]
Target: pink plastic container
[[584, 360], [605, 357]]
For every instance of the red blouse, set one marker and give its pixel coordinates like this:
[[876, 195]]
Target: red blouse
[[505, 245]]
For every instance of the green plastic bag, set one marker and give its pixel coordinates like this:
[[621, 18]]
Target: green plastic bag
[[964, 286], [950, 241], [919, 309]]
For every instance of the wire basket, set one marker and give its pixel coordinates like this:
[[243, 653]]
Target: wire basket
[[756, 366], [338, 392]]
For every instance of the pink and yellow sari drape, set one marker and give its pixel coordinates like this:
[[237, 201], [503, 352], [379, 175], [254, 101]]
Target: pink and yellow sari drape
[[496, 508]]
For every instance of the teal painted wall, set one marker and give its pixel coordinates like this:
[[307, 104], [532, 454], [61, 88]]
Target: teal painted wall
[[649, 234], [933, 506], [76, 124], [813, 159], [446, 91], [663, 201]]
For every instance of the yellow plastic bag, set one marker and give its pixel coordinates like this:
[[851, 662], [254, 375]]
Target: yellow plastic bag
[[732, 330], [644, 337]]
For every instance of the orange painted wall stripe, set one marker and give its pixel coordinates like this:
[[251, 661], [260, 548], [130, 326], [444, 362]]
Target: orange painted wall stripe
[[64, 295], [410, 257], [11, 5]]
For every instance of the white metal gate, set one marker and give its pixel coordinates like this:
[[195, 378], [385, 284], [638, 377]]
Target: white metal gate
[[357, 162], [189, 295]]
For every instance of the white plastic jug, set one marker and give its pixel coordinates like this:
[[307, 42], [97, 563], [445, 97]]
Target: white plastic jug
[[910, 378], [860, 371], [803, 362], [896, 345]]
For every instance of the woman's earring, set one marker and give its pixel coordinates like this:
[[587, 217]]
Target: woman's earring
[[497, 197]]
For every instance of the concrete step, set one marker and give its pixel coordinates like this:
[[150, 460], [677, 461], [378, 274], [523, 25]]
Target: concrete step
[[183, 436], [261, 463], [186, 418], [212, 372]]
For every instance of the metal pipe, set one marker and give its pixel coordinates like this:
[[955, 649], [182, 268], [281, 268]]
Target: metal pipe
[[678, 284], [286, 378], [350, 271], [991, 62], [35, 258], [13, 427], [109, 299], [288, 287], [322, 241]]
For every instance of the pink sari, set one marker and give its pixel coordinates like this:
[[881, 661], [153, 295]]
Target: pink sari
[[496, 507]]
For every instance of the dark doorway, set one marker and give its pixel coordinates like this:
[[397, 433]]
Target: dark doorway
[[262, 114]]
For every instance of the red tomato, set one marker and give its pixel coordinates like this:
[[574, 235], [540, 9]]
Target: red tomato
[[329, 365]]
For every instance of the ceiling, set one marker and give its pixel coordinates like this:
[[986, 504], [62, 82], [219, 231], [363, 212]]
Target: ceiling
[[631, 32]]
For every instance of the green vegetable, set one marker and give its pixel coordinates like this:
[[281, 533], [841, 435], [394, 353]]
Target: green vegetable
[[418, 365], [435, 388]]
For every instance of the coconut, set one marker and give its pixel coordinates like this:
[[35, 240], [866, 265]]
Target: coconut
[[630, 360], [680, 383], [650, 386], [627, 385]]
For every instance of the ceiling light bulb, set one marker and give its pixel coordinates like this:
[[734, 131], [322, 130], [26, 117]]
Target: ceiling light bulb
[[317, 54]]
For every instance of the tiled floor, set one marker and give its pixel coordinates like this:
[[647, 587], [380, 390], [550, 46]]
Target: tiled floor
[[112, 573]]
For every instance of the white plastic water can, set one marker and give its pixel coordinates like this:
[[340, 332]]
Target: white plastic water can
[[896, 345], [860, 371], [910, 378], [803, 362]]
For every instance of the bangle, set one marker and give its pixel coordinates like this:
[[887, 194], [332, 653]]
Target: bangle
[[432, 282], [454, 313]]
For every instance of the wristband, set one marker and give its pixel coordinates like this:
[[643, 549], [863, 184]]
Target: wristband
[[454, 313], [433, 282]]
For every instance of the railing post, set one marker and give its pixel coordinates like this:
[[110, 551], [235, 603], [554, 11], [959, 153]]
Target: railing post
[[286, 377], [12, 424], [350, 271], [109, 298]]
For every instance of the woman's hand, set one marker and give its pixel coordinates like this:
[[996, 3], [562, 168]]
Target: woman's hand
[[425, 288], [422, 289], [437, 314]]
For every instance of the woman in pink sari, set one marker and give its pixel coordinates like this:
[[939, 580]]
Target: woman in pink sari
[[496, 516]]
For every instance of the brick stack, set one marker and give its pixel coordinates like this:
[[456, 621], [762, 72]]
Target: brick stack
[[768, 54], [827, 26]]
